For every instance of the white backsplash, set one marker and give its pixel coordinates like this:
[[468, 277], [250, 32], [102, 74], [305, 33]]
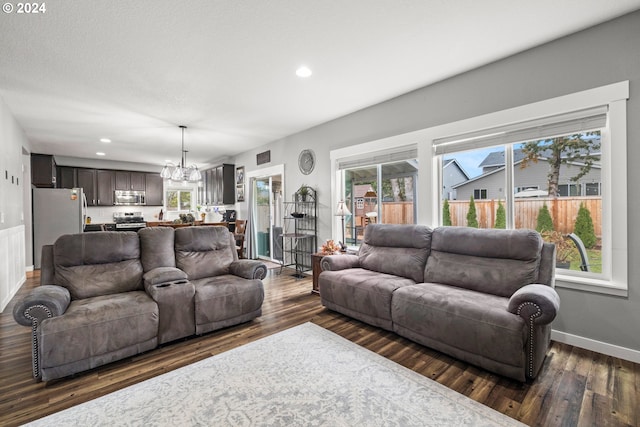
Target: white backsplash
[[104, 214]]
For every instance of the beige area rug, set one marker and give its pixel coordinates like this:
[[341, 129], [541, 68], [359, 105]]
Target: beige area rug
[[303, 376]]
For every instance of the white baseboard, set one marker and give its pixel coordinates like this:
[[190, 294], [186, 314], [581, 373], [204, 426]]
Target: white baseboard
[[29, 268], [597, 346]]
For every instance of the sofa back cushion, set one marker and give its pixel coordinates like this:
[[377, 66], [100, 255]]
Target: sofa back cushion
[[398, 249], [204, 251], [156, 247], [94, 264], [497, 262]]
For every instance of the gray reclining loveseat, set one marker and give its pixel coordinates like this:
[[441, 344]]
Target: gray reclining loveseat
[[109, 295], [482, 296]]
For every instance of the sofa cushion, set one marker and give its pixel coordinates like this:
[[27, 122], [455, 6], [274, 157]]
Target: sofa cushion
[[96, 248], [98, 326], [474, 322], [204, 251], [365, 293], [226, 297], [156, 247], [94, 264], [498, 262], [399, 250]]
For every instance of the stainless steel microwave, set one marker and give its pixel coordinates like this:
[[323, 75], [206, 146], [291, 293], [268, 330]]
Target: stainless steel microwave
[[129, 198]]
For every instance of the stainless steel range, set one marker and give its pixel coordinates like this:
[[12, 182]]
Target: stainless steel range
[[129, 221]]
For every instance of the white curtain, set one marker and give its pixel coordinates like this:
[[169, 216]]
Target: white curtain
[[249, 234]]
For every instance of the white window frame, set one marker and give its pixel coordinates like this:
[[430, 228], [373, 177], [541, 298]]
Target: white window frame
[[183, 188], [614, 278]]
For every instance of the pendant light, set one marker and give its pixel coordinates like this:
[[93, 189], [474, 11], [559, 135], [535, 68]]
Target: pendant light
[[180, 171]]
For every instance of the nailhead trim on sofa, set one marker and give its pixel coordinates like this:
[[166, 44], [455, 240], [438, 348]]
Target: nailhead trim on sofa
[[34, 335], [538, 313]]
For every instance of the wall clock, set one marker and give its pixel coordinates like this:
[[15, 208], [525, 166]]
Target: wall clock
[[306, 161]]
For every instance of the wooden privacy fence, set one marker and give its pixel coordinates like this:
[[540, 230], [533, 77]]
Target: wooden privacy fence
[[564, 211], [397, 212]]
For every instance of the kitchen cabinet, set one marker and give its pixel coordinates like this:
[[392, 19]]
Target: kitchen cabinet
[[129, 181], [65, 177], [220, 185], [153, 189], [43, 171], [86, 178], [98, 185], [105, 183]]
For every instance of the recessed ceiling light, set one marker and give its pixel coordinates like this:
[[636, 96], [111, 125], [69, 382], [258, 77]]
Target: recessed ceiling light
[[105, 140], [303, 72], [100, 153]]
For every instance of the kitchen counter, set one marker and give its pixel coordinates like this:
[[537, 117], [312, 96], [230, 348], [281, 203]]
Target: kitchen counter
[[174, 225], [96, 226]]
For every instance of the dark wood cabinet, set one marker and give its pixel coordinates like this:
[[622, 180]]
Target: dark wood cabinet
[[154, 188], [138, 181], [66, 177], [129, 181], [105, 183], [123, 180], [98, 184], [43, 171], [86, 179], [220, 185]]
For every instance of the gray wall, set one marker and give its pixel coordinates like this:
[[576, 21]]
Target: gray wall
[[12, 141], [598, 56]]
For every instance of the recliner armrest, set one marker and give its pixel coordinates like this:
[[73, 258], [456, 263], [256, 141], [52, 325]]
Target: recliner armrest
[[339, 262], [536, 303], [41, 303], [163, 275], [248, 268]]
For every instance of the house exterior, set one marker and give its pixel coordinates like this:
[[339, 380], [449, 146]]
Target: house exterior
[[452, 174], [490, 185]]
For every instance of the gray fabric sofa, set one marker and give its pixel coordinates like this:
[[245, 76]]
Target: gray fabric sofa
[[482, 296], [105, 296]]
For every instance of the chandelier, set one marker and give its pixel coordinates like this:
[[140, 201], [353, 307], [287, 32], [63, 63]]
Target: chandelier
[[181, 172]]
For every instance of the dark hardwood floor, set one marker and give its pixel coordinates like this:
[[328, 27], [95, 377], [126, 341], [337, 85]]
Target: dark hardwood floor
[[576, 386]]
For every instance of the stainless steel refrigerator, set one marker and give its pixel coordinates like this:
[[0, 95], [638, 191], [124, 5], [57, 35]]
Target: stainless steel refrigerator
[[56, 211]]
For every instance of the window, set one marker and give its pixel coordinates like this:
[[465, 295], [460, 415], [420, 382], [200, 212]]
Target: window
[[179, 200], [378, 187], [592, 189], [565, 190], [558, 164], [480, 194]]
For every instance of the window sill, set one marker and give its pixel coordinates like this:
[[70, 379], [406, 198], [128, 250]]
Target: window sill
[[588, 284]]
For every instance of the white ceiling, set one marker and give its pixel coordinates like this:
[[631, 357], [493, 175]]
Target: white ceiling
[[132, 71]]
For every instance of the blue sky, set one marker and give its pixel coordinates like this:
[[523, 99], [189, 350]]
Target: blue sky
[[469, 160]]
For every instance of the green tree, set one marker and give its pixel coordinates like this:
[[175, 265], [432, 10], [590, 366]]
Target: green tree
[[472, 221], [446, 213], [544, 222], [562, 150], [584, 227], [501, 217]]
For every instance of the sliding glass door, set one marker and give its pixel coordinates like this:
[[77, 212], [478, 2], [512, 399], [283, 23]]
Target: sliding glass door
[[268, 216]]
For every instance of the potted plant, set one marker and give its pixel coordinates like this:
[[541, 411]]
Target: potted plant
[[303, 191], [566, 251]]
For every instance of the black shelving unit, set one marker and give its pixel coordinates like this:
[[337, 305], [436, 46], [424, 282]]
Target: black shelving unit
[[300, 230]]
